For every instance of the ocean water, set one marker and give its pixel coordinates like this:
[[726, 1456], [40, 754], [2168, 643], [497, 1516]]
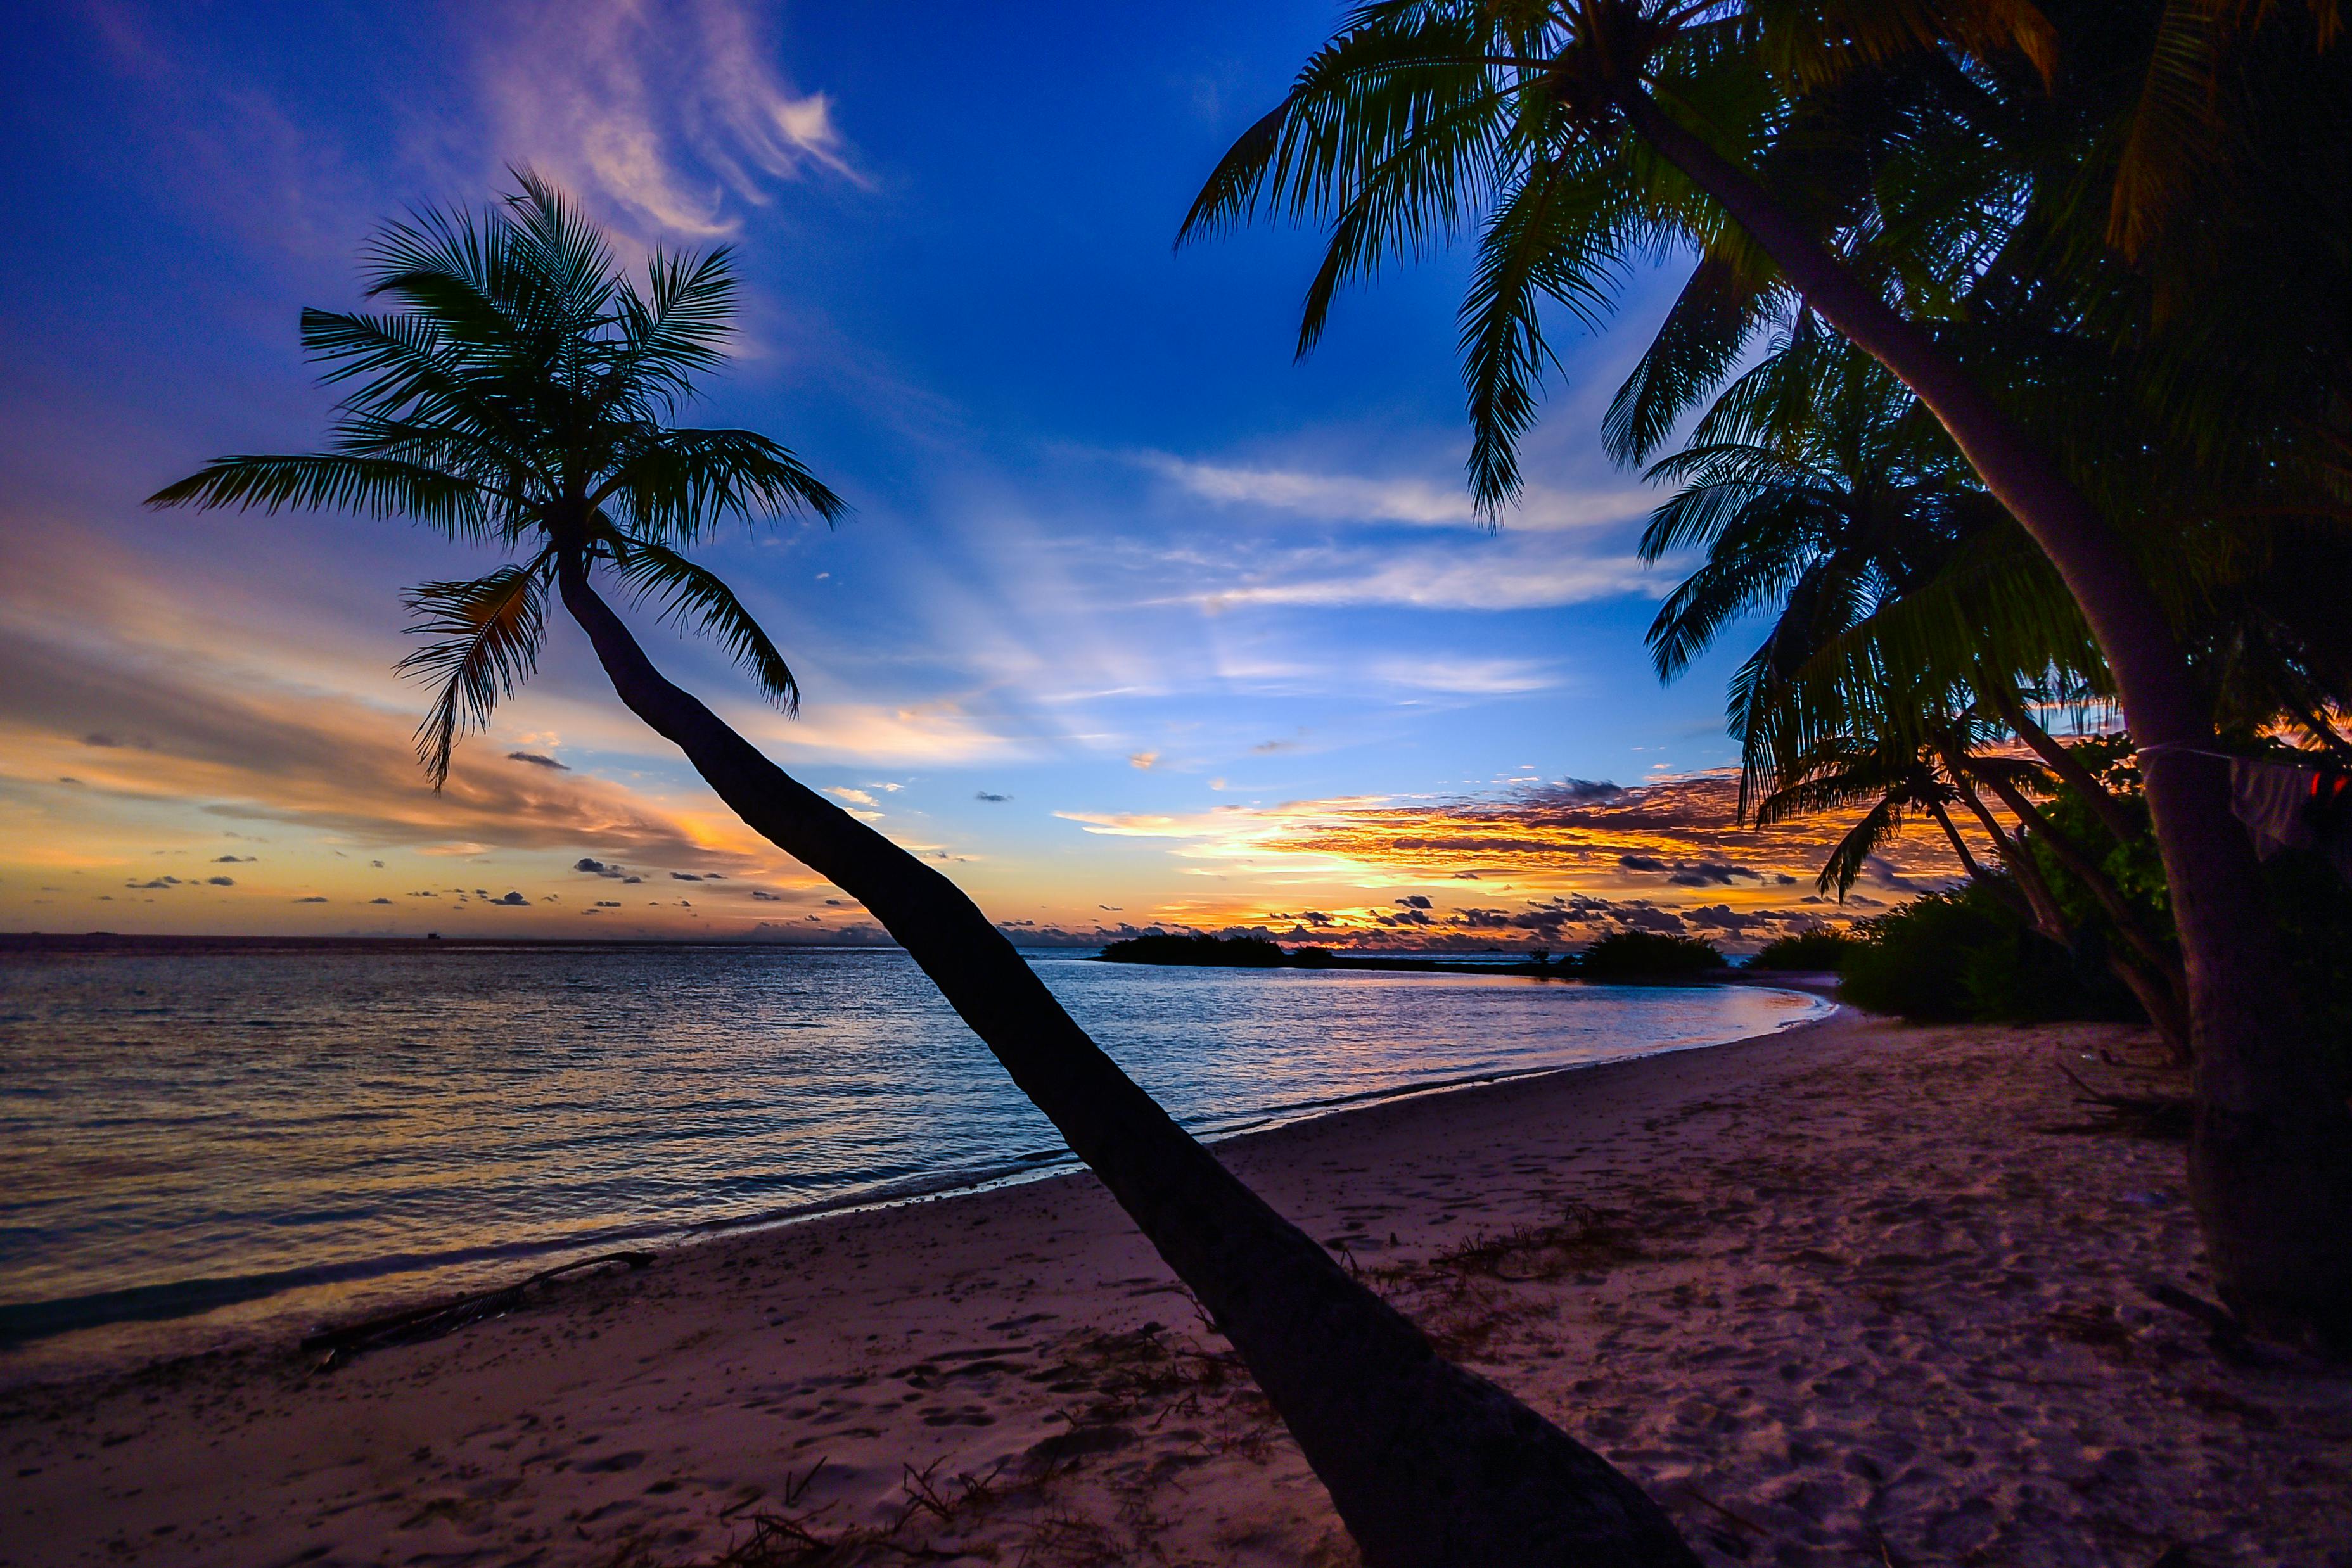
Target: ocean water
[[199, 1145]]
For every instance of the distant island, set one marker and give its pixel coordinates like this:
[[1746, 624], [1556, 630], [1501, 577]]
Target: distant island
[[1621, 955]]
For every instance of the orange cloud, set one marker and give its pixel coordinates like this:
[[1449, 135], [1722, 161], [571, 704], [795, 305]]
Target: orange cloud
[[1559, 863]]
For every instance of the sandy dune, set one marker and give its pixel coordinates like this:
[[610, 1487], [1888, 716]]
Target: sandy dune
[[1836, 1297]]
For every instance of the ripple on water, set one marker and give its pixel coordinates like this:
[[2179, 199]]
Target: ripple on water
[[233, 1134]]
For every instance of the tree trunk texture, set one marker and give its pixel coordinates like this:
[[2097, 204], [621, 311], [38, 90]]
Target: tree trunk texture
[[1428, 1463], [2153, 974], [2270, 1160]]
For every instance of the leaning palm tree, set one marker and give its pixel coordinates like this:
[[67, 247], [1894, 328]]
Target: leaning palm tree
[[523, 397], [1868, 162], [1899, 594]]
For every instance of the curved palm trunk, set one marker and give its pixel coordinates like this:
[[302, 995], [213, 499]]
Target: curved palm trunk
[[2270, 1161], [2154, 975], [1428, 1463], [1959, 845], [2155, 995], [2063, 762], [2048, 918]]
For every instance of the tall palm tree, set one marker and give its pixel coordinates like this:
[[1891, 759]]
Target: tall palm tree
[[1781, 141], [1821, 491], [523, 397]]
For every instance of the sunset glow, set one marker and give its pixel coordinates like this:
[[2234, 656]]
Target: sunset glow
[[1176, 632]]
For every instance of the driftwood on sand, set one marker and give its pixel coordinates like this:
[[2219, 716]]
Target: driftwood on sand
[[2163, 1117], [351, 1340]]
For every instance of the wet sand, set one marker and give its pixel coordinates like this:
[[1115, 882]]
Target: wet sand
[[1837, 1296]]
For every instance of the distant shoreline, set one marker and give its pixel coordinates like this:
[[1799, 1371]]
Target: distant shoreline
[[1324, 959], [1819, 983], [128, 943], [117, 942]]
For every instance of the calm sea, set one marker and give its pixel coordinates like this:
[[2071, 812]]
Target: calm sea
[[193, 1146]]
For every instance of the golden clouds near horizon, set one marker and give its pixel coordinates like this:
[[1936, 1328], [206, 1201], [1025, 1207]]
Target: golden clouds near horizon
[[1552, 864]]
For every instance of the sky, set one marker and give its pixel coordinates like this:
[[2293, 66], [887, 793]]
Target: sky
[[1135, 622]]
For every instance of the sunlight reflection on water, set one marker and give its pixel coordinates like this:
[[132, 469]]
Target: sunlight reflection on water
[[249, 1134]]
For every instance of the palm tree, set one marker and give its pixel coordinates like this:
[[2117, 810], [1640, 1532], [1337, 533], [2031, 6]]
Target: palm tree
[[1786, 143], [522, 398], [1819, 489], [1891, 783]]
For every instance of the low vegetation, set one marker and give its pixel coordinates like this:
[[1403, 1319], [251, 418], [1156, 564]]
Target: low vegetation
[[1973, 954], [1810, 950], [1970, 954], [1211, 952], [1646, 955], [1620, 956]]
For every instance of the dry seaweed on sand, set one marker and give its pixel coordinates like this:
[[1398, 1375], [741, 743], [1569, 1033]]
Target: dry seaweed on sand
[[2163, 1118], [344, 1344]]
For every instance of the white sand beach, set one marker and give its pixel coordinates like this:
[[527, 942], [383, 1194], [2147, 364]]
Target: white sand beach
[[1836, 1296]]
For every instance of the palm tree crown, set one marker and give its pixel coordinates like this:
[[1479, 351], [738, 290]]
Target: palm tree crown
[[521, 398]]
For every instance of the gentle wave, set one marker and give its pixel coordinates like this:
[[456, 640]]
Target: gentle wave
[[245, 1138]]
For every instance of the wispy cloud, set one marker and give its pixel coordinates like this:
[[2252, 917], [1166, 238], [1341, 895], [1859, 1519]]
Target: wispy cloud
[[1468, 678], [245, 750], [1504, 573], [1410, 500], [667, 109]]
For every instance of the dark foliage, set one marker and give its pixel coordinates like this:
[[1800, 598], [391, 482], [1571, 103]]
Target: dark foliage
[[1970, 955], [1646, 955], [2314, 908], [1808, 950], [1214, 952]]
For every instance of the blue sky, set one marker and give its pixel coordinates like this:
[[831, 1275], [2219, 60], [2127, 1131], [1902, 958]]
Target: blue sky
[[1132, 606]]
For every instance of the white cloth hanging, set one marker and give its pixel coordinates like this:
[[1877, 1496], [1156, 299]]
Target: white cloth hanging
[[2291, 806]]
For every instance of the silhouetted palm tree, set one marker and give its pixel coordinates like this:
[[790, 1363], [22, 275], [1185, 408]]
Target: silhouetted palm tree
[[1847, 157], [1900, 597], [523, 397]]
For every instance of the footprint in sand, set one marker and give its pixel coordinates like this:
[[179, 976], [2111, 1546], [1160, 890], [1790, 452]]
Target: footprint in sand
[[628, 1461]]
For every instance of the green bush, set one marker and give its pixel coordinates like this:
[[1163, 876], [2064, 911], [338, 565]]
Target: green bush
[[1970, 955], [1807, 950], [1646, 955]]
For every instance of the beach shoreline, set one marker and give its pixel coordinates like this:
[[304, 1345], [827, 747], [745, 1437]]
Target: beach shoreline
[[1829, 1291], [45, 1339]]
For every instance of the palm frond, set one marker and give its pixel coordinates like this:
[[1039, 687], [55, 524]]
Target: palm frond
[[1361, 101], [408, 369], [1819, 42], [486, 635], [692, 595], [2169, 140], [1703, 336], [1563, 236], [676, 486], [331, 481], [673, 332], [1851, 855]]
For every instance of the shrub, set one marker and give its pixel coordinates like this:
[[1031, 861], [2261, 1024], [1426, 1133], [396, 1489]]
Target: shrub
[[1227, 953], [1968, 955], [1647, 955], [1807, 950]]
